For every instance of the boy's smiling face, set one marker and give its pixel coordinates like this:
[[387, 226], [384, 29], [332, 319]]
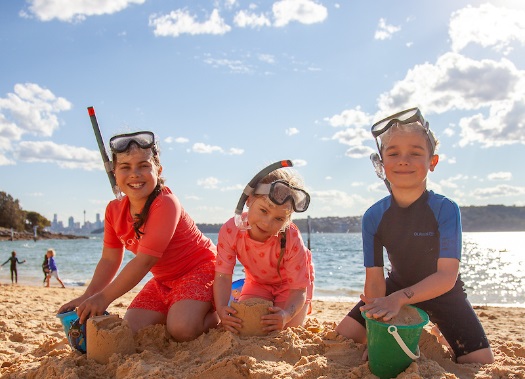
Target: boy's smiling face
[[407, 160]]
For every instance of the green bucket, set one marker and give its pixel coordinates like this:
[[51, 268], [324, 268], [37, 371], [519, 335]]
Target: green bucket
[[392, 348]]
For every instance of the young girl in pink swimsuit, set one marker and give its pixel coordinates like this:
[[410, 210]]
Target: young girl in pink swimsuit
[[277, 264], [151, 223]]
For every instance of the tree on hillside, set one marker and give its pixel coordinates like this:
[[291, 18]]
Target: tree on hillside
[[33, 219], [11, 214]]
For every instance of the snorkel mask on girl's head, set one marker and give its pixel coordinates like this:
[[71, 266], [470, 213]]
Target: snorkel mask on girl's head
[[145, 140], [240, 221], [280, 191]]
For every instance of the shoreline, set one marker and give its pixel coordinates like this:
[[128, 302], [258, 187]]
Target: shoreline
[[33, 345]]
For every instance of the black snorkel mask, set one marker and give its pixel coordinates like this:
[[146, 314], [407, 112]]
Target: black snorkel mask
[[240, 221]]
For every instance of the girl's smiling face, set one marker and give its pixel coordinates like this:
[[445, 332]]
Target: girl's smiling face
[[407, 160], [265, 218], [136, 174]]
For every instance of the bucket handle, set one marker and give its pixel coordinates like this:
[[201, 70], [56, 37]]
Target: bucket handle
[[392, 329]]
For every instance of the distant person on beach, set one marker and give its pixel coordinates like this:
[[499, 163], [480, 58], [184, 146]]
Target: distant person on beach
[[421, 232], [53, 269], [278, 266], [14, 261], [151, 223], [45, 267]]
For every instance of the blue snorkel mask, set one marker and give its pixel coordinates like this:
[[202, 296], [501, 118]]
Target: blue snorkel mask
[[240, 221]]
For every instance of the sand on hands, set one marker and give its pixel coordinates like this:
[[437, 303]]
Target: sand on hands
[[250, 312], [33, 345]]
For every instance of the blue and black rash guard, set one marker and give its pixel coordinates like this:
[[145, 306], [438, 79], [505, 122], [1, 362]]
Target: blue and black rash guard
[[414, 237]]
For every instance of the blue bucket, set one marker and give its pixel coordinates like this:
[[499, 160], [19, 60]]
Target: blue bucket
[[75, 331]]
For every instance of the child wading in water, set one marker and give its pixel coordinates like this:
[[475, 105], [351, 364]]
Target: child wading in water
[[421, 232], [14, 261], [278, 266]]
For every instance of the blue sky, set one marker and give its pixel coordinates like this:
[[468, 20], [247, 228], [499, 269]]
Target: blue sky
[[230, 86]]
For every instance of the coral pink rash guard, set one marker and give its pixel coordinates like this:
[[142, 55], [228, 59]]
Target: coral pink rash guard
[[169, 234]]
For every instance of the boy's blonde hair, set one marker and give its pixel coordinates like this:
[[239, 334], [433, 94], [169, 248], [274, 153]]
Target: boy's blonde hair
[[432, 142], [52, 251]]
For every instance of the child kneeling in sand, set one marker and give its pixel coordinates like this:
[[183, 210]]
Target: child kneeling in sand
[[278, 266], [421, 232]]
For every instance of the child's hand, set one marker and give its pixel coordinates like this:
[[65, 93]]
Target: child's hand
[[228, 320], [72, 305], [276, 320], [381, 307], [95, 305]]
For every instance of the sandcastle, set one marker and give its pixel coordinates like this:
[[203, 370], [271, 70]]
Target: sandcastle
[[107, 335], [250, 312]]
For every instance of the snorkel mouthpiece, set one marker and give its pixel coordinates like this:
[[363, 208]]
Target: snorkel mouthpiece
[[380, 172], [378, 166]]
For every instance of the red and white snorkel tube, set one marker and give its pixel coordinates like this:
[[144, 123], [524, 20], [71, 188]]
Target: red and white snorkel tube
[[240, 221]]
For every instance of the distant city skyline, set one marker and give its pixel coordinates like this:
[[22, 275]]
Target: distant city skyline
[[57, 226]]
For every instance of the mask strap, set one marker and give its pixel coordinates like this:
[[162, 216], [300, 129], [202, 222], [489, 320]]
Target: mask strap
[[240, 221]]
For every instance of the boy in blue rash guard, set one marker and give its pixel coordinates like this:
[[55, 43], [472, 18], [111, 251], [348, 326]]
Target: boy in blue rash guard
[[421, 232]]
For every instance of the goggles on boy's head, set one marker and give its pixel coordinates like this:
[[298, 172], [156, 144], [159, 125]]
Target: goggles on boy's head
[[281, 191], [404, 117], [144, 139]]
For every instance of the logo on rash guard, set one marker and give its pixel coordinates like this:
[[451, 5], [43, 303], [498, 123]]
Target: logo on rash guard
[[424, 234]]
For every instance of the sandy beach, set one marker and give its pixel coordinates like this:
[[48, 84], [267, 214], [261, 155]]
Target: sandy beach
[[33, 345]]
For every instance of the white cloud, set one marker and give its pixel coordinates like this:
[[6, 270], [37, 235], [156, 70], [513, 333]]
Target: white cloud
[[33, 109], [180, 22], [209, 182], [352, 136], [234, 65], [65, 156], [498, 191], [74, 11], [350, 117], [291, 131], [268, 58], [385, 31], [299, 162], [245, 19], [359, 151], [303, 11], [502, 175], [203, 148], [487, 26], [235, 151]]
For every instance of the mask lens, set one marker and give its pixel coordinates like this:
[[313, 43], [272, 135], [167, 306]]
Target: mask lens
[[281, 192], [121, 142], [404, 117]]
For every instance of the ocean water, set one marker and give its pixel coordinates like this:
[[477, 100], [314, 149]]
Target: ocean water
[[492, 266]]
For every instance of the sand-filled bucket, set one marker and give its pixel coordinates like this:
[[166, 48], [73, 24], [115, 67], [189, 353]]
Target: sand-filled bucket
[[393, 346]]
